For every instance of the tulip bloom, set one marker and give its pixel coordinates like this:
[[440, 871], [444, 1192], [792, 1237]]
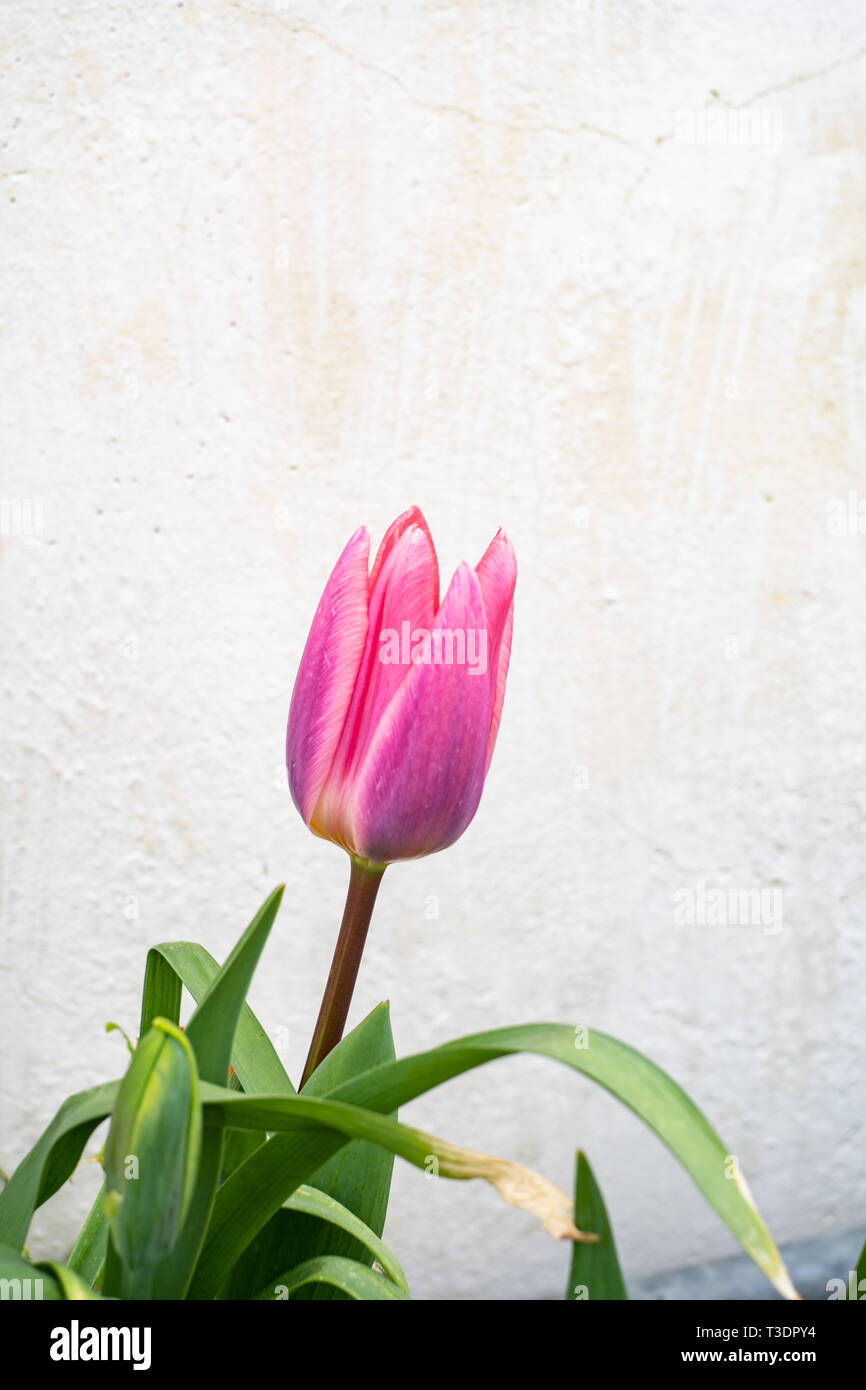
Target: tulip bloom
[[393, 719], [397, 701]]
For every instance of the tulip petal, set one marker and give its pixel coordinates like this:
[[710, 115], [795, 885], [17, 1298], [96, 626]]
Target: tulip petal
[[497, 575], [327, 674], [401, 601], [412, 517], [421, 779], [502, 672]]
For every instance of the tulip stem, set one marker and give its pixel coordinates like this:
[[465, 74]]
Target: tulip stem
[[364, 883]]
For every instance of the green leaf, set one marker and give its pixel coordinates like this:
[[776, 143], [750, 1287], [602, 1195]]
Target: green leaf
[[46, 1281], [211, 1029], [259, 1186], [72, 1286], [289, 1113], [310, 1202], [359, 1174], [21, 1280], [174, 964], [253, 1057], [116, 1028], [169, 967], [88, 1253], [238, 1144], [161, 993], [153, 1149], [595, 1271], [237, 1147], [355, 1280], [256, 1189], [211, 1033], [359, 1177], [52, 1159], [54, 1156]]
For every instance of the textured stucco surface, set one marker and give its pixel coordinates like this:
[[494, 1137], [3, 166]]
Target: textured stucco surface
[[594, 271]]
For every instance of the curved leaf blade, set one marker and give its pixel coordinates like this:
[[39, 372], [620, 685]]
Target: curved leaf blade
[[632, 1078], [211, 1033], [358, 1176], [595, 1272], [72, 1286], [355, 1280], [232, 1228], [52, 1159], [88, 1253], [308, 1201]]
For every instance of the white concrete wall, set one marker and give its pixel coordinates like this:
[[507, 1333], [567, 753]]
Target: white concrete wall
[[591, 270]]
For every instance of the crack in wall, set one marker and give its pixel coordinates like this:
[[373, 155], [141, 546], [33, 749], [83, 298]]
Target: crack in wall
[[798, 80], [444, 108]]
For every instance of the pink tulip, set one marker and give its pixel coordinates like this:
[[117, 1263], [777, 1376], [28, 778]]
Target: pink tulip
[[397, 700]]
